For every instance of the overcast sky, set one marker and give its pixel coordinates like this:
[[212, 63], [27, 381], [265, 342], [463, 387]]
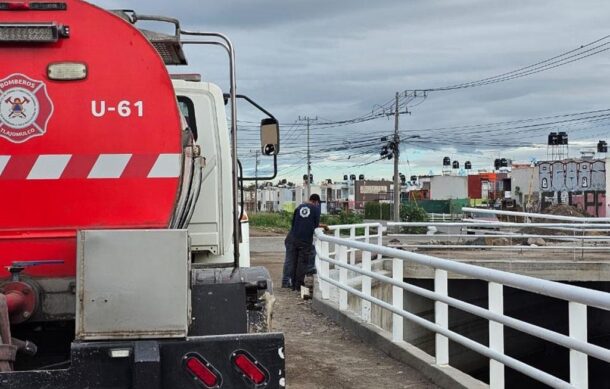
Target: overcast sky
[[340, 59]]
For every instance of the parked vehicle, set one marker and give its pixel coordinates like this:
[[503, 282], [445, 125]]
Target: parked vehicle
[[119, 220]]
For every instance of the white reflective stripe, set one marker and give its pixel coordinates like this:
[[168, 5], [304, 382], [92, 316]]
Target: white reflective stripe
[[3, 161], [109, 166], [49, 167], [166, 166]]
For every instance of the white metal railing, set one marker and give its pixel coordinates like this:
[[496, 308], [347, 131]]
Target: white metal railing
[[529, 215], [371, 232], [445, 217], [507, 236], [578, 300]]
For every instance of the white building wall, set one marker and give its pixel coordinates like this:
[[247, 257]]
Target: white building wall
[[286, 195], [526, 178], [448, 187], [301, 191], [299, 194]]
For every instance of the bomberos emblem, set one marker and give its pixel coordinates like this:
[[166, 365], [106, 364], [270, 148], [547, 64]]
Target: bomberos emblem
[[25, 108]]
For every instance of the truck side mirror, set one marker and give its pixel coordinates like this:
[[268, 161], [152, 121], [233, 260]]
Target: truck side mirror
[[270, 136]]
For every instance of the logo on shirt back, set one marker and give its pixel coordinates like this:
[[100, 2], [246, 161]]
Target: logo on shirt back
[[304, 212]]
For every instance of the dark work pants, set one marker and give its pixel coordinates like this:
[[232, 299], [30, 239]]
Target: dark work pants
[[297, 262], [290, 263]]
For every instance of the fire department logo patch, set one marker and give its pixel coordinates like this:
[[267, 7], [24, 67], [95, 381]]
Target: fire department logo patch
[[25, 108], [305, 211]]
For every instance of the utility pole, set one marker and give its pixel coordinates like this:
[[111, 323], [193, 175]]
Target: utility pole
[[396, 152], [308, 164], [392, 148], [308, 187], [256, 183]]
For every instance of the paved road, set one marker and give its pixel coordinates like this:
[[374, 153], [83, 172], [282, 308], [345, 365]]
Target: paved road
[[273, 244], [320, 354]]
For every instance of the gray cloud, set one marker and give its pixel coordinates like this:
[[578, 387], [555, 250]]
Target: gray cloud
[[337, 59]]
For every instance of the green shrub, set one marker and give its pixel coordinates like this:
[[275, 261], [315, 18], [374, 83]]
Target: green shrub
[[350, 218], [411, 212], [376, 211], [341, 218]]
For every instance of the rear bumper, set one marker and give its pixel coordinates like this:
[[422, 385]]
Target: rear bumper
[[156, 364]]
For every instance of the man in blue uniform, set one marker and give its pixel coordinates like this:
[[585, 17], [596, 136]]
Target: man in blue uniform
[[305, 220]]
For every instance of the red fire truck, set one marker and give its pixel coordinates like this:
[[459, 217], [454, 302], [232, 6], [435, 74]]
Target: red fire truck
[[104, 159]]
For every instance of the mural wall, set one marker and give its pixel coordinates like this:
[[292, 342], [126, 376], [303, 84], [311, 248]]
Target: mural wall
[[581, 183]]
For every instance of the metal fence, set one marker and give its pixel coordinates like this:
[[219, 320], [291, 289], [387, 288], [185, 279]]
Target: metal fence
[[578, 300], [528, 216], [445, 217], [365, 232], [567, 234]]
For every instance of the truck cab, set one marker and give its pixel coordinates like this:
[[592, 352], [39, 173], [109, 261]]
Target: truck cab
[[210, 227]]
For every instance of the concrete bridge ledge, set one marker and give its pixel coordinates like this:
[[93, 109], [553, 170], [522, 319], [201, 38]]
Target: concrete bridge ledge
[[443, 376]]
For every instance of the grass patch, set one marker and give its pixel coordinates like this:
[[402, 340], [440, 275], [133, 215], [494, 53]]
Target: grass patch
[[281, 221], [271, 221]]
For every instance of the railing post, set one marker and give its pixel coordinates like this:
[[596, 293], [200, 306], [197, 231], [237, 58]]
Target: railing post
[[379, 237], [441, 317], [336, 246], [352, 252], [366, 286], [318, 247], [367, 233], [496, 335], [579, 370], [397, 301], [342, 257], [325, 270], [582, 245]]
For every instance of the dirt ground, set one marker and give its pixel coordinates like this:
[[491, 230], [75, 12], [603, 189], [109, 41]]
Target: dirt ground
[[320, 354]]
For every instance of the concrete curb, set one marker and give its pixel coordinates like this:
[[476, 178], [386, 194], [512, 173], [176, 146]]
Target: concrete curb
[[443, 376]]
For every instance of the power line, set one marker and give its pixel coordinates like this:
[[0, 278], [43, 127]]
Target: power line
[[547, 64], [584, 51]]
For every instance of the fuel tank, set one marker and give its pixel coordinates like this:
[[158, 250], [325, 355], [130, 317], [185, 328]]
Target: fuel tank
[[90, 132]]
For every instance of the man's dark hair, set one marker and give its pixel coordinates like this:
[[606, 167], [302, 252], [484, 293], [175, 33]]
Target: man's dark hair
[[315, 198]]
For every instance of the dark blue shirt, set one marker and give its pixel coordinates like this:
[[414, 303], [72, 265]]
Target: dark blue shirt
[[305, 220]]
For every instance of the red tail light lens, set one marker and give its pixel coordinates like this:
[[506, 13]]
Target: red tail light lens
[[202, 371], [250, 368]]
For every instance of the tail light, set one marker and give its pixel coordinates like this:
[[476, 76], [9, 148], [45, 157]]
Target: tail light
[[250, 368], [202, 371]]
